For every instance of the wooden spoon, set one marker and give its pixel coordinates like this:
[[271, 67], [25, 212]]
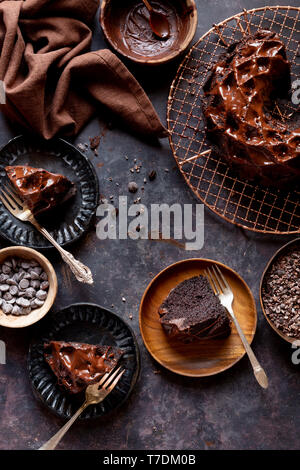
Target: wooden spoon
[[158, 21]]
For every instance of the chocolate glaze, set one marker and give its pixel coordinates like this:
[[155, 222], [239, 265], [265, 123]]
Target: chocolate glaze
[[238, 93], [129, 25], [78, 365], [40, 189]]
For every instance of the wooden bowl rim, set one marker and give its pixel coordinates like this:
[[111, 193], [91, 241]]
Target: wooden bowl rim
[[17, 251], [171, 266], [268, 265], [166, 58]]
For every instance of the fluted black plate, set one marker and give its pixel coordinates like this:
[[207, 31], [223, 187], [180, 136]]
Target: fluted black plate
[[84, 323], [66, 223]]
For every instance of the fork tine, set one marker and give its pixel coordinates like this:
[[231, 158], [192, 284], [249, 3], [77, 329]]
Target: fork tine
[[111, 378], [116, 380], [106, 376], [217, 277], [7, 201], [13, 195], [212, 281], [103, 379], [223, 278]]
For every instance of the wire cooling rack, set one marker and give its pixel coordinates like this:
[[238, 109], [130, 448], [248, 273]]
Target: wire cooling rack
[[241, 202]]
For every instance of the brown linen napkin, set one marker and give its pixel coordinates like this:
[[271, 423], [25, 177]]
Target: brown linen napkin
[[54, 84]]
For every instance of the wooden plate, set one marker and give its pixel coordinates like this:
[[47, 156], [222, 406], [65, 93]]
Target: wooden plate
[[207, 357]]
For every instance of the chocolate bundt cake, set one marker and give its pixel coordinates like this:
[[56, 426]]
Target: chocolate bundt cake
[[77, 365], [38, 188], [238, 95], [192, 311]]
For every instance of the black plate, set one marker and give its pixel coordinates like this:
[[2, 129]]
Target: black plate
[[66, 223], [85, 323]]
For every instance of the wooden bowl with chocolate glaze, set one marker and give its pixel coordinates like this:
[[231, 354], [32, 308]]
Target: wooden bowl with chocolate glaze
[[20, 321], [284, 249], [126, 27]]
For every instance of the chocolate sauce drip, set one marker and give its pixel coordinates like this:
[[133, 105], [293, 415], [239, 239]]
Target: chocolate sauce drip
[[239, 95], [78, 365], [40, 189]]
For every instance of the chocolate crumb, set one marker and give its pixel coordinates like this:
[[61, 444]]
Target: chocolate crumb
[[152, 175], [132, 187], [94, 142]]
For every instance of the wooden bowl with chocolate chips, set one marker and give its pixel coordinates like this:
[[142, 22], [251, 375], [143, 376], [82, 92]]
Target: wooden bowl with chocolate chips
[[28, 286], [280, 292]]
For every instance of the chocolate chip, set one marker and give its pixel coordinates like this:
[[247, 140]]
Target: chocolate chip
[[25, 265], [7, 308], [41, 295], [35, 284], [6, 269], [13, 290], [7, 296], [44, 285], [4, 287], [33, 263], [39, 303], [132, 187], [23, 302], [34, 275], [23, 284], [30, 292], [16, 310], [152, 175], [26, 310], [3, 278], [37, 270]]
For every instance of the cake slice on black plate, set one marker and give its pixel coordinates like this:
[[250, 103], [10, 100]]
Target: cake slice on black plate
[[38, 188], [192, 311], [77, 365]]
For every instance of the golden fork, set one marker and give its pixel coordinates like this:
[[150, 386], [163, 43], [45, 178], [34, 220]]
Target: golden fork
[[93, 395], [223, 290], [21, 211]]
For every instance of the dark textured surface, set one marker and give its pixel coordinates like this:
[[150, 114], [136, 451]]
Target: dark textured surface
[[228, 411]]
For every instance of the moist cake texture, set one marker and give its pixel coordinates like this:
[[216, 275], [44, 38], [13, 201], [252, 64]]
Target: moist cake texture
[[192, 311]]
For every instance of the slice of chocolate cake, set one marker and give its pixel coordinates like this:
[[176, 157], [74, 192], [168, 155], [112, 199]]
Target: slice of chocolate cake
[[77, 365], [192, 311], [38, 188]]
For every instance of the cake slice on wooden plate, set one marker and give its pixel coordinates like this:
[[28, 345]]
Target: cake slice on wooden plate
[[192, 311]]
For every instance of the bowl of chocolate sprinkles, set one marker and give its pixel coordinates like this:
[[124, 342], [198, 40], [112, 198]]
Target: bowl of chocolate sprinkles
[[280, 291]]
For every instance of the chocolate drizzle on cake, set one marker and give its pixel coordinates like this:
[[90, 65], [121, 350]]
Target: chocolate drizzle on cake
[[77, 365], [38, 188], [192, 311], [239, 95]]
